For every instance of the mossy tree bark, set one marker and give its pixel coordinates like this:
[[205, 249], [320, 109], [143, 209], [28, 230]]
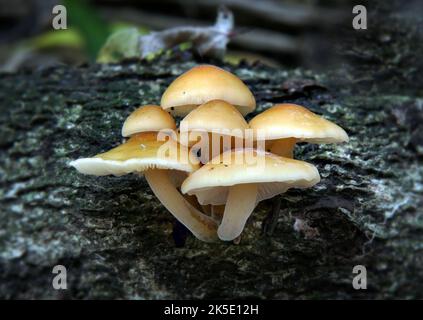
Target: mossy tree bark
[[114, 237]]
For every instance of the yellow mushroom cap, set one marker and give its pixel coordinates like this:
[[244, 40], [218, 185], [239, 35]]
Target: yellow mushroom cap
[[215, 116], [211, 182], [294, 121], [147, 118], [204, 83], [137, 155]]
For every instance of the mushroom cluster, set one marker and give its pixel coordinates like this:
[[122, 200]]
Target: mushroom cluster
[[213, 170]]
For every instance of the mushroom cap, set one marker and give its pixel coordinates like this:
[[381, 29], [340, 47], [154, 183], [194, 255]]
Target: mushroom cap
[[204, 83], [216, 116], [147, 118], [294, 121], [211, 182], [137, 155]]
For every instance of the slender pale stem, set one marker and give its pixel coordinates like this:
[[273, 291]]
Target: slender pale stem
[[240, 204], [284, 147], [202, 226]]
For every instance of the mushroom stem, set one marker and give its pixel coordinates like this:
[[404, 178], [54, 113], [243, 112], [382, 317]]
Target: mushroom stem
[[240, 204], [203, 227], [284, 147]]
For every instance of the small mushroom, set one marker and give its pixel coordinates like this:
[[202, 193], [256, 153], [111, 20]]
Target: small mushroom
[[143, 153], [148, 118], [202, 84], [243, 178], [283, 125], [220, 126]]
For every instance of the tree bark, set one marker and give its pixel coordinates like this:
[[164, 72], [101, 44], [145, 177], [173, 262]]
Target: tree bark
[[114, 237]]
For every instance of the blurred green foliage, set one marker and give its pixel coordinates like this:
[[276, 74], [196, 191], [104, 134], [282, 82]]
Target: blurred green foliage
[[120, 45], [100, 41], [93, 30], [66, 38]]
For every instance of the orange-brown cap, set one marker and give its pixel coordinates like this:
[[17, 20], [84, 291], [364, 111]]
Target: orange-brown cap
[[204, 83], [138, 154], [293, 121], [147, 118], [216, 116]]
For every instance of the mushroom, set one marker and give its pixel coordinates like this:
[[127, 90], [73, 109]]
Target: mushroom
[[243, 177], [219, 125], [204, 83], [151, 119], [144, 153], [148, 118], [283, 125]]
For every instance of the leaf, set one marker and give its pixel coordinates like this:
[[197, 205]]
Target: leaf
[[120, 45]]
